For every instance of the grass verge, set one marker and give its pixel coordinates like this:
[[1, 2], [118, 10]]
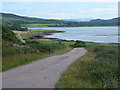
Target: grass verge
[[97, 69], [12, 61]]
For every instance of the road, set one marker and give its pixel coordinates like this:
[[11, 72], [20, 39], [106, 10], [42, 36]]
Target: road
[[20, 38], [42, 73]]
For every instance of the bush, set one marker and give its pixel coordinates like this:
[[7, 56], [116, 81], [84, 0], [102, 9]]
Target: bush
[[105, 68], [46, 48], [8, 35], [79, 44]]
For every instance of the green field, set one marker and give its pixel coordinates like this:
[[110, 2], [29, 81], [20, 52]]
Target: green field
[[40, 30], [66, 43], [38, 25]]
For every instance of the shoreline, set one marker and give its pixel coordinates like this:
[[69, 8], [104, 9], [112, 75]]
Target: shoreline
[[72, 27], [43, 34]]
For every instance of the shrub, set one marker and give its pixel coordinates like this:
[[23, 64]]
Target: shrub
[[105, 68], [79, 44]]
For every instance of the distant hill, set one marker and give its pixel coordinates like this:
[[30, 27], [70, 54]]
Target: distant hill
[[11, 19], [78, 20], [108, 22]]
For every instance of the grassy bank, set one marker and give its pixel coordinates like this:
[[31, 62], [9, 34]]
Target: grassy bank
[[97, 69], [16, 56], [16, 60]]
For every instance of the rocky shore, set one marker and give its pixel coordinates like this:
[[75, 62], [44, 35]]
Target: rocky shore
[[42, 35]]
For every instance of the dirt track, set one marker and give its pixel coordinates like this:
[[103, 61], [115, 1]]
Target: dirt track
[[40, 74]]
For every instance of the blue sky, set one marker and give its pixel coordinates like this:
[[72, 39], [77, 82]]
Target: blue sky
[[62, 10]]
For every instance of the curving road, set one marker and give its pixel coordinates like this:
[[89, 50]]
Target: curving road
[[40, 74]]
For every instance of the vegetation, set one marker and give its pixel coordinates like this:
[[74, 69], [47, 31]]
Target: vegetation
[[97, 69], [16, 56], [7, 34], [40, 30], [12, 55], [66, 43], [38, 25], [18, 27], [79, 44]]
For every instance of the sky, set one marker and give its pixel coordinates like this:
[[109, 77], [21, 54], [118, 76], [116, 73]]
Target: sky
[[62, 10]]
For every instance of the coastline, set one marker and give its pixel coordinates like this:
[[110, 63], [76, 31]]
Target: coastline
[[43, 34], [73, 27]]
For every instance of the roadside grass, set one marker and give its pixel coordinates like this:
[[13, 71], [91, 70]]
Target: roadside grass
[[17, 56], [77, 74], [10, 62], [38, 25], [97, 69]]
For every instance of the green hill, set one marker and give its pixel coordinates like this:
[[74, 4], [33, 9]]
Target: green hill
[[7, 34], [15, 19], [32, 22]]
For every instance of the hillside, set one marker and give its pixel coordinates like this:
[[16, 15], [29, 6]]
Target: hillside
[[8, 35], [113, 21], [15, 19]]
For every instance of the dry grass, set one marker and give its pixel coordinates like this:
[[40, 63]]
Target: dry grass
[[20, 32], [42, 40]]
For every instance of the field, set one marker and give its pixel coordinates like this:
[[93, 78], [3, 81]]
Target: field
[[26, 34], [38, 25], [40, 30], [97, 69]]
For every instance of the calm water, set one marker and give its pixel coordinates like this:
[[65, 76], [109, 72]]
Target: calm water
[[94, 34]]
